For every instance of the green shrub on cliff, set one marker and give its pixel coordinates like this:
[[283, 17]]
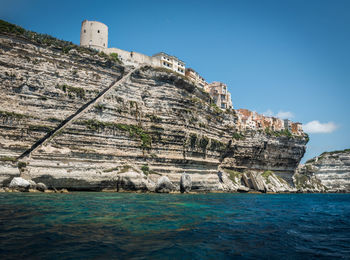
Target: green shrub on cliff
[[203, 143], [154, 118], [216, 145], [115, 57], [6, 27], [21, 165], [216, 109], [7, 159], [145, 169], [79, 92], [44, 39], [233, 175], [307, 138], [193, 140], [237, 136], [12, 115], [266, 175], [284, 132], [100, 107], [132, 130]]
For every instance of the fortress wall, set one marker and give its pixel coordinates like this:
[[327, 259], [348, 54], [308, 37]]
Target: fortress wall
[[94, 34], [133, 58]]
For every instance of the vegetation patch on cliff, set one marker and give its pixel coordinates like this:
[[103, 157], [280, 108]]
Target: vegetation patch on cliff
[[44, 39], [6, 114], [7, 159], [233, 175], [40, 128], [132, 130], [284, 132], [237, 136], [79, 92], [154, 118], [336, 152]]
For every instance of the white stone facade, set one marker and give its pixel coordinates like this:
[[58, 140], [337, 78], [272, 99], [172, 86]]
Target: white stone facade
[[196, 78], [170, 62], [220, 94], [94, 35], [132, 58]]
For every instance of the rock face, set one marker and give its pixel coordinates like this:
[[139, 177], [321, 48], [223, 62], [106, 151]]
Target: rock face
[[332, 169], [133, 181], [185, 183], [266, 181], [157, 121], [19, 183], [164, 185], [41, 187]]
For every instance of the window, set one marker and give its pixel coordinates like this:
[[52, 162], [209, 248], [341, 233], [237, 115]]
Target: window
[[98, 31], [84, 31], [104, 45]]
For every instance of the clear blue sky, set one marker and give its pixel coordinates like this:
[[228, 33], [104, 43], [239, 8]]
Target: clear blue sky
[[287, 56]]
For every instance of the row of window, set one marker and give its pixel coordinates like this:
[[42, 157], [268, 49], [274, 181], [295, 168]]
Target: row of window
[[98, 31], [179, 64]]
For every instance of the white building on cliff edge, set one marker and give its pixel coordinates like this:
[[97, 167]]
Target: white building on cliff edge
[[94, 35]]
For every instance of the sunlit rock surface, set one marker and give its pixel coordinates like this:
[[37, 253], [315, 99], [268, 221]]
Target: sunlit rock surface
[[157, 123]]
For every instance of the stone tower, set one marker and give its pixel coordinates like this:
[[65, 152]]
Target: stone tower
[[94, 35]]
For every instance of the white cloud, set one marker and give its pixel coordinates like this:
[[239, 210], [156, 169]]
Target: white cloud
[[268, 113], [281, 114], [315, 127], [285, 115]]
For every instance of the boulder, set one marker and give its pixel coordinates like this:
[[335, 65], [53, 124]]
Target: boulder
[[20, 184], [247, 181], [41, 187], [185, 183], [133, 180], [243, 189], [227, 183], [32, 184], [257, 181], [164, 185]]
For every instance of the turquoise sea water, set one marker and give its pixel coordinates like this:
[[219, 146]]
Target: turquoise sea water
[[177, 226]]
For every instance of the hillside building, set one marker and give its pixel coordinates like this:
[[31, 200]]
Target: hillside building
[[195, 77], [220, 95], [170, 62], [94, 35], [247, 119]]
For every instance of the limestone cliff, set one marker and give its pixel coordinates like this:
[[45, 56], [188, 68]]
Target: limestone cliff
[[332, 169], [154, 123]]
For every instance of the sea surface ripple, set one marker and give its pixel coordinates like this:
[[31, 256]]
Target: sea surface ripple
[[88, 225]]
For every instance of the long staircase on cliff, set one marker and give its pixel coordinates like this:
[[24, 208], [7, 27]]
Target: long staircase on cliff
[[75, 116]]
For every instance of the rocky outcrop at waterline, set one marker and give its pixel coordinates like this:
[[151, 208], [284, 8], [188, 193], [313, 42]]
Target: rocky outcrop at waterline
[[331, 169], [142, 134]]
